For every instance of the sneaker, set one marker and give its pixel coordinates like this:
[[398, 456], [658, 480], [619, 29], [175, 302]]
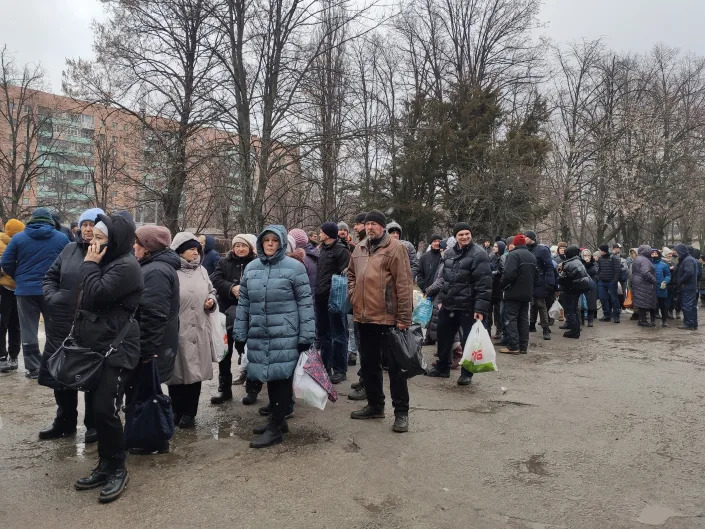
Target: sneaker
[[508, 351], [368, 412], [358, 394], [401, 424], [337, 378]]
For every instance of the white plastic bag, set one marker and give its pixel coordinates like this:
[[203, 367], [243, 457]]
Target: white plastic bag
[[307, 389], [219, 336], [555, 310], [244, 361], [479, 355]]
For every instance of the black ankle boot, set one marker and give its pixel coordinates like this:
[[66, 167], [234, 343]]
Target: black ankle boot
[[115, 484], [98, 476], [56, 432], [272, 435], [222, 396], [259, 430]]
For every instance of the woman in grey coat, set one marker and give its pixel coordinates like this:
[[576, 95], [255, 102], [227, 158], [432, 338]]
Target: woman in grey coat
[[643, 284], [275, 318], [195, 354]]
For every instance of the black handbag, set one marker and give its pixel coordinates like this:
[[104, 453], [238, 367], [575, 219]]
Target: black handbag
[[76, 367], [149, 420]]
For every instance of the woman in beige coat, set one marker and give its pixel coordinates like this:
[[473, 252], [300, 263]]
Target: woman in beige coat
[[195, 355]]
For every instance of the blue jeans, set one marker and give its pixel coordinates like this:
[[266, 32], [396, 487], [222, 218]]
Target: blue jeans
[[352, 339], [29, 309], [689, 302], [609, 298], [333, 335]]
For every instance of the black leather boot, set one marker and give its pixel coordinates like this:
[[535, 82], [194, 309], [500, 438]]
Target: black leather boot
[[222, 396], [401, 424], [56, 432], [261, 429], [98, 477], [115, 484], [91, 436], [272, 435]]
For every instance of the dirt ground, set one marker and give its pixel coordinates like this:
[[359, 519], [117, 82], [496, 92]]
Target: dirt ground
[[604, 432]]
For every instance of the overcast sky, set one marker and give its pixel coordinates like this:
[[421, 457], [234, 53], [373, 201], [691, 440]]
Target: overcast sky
[[48, 31]]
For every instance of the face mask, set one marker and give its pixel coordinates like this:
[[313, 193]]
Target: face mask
[[655, 259]]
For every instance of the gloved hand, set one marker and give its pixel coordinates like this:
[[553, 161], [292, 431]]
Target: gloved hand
[[663, 285], [303, 347], [240, 347]]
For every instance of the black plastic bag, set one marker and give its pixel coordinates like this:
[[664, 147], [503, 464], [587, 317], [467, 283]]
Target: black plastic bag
[[405, 348]]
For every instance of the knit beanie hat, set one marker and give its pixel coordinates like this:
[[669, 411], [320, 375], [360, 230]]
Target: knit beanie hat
[[343, 226], [460, 226], [245, 239], [444, 244], [13, 227], [41, 215], [153, 238], [360, 217], [91, 215], [572, 251], [510, 240], [530, 235], [291, 243], [434, 237], [187, 245], [604, 248], [519, 239], [330, 229], [300, 237], [376, 216]]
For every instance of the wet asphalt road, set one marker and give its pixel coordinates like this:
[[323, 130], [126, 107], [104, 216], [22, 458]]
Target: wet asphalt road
[[604, 432]]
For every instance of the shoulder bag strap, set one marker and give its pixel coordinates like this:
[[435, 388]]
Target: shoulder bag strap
[[121, 335]]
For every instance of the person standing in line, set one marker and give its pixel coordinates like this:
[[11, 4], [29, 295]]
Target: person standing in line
[[663, 279], [195, 354], [226, 280], [111, 283], [10, 338], [591, 296], [544, 285], [333, 260], [394, 229], [644, 286], [517, 284], [62, 287], [26, 259], [358, 387], [344, 235], [609, 273], [380, 286], [274, 317], [573, 281], [428, 266], [687, 280], [497, 267], [211, 257], [465, 297], [313, 238]]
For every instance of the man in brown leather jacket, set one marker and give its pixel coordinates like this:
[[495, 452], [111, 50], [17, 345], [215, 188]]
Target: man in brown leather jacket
[[380, 287]]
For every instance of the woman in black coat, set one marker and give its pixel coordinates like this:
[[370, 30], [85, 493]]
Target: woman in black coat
[[226, 281], [592, 269], [61, 287], [158, 314], [112, 289]]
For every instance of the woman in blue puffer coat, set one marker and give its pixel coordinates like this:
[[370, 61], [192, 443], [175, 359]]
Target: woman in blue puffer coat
[[275, 318]]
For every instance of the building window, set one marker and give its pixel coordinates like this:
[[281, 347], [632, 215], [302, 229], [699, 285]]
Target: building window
[[87, 121], [126, 127]]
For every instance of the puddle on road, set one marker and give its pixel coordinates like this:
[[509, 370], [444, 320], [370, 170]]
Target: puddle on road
[[657, 515], [534, 465]]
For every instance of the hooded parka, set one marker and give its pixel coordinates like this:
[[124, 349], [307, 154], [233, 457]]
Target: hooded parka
[[644, 279], [275, 311]]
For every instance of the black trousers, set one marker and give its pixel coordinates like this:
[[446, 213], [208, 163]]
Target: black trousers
[[516, 318], [663, 304], [67, 410], [448, 324], [569, 301], [184, 399], [280, 394], [10, 338], [371, 351], [225, 369], [107, 398]]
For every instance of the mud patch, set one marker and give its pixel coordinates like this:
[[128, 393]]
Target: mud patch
[[388, 504], [352, 447], [535, 465], [307, 435]]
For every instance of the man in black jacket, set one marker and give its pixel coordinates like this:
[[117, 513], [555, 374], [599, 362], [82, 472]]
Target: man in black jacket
[[428, 264], [609, 270], [333, 260], [517, 283], [544, 285], [465, 296]]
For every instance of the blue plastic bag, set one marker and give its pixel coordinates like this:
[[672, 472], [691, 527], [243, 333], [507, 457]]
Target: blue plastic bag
[[338, 302], [423, 312]]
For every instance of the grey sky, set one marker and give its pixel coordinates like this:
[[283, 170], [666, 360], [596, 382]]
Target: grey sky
[[48, 31]]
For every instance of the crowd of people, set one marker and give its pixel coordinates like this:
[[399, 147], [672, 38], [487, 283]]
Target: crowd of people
[[106, 280]]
